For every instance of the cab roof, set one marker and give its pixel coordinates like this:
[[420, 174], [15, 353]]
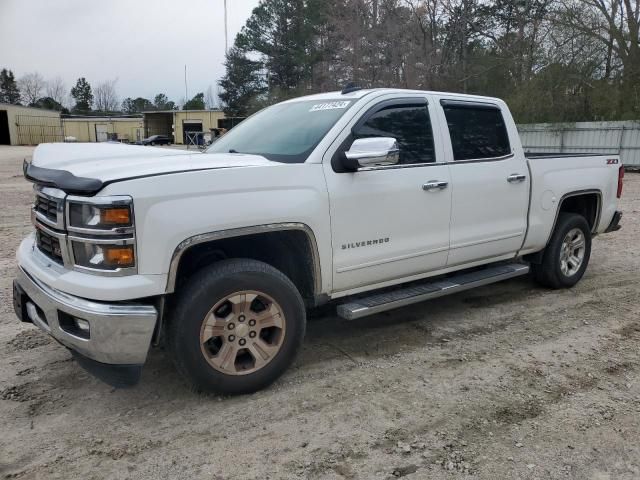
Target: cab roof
[[357, 94]]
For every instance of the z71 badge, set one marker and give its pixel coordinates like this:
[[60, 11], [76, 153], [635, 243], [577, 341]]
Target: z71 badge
[[612, 161], [365, 243]]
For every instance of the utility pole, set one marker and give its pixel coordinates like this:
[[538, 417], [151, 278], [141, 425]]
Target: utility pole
[[186, 90], [226, 41]]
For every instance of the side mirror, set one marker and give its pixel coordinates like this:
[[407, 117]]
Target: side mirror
[[371, 152]]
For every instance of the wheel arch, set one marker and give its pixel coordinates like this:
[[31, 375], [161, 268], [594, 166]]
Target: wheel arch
[[587, 203], [278, 245]]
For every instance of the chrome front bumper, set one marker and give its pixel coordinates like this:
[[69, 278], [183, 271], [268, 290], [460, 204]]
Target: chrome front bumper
[[118, 333]]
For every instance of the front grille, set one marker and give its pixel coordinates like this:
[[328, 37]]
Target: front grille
[[49, 245], [47, 207]]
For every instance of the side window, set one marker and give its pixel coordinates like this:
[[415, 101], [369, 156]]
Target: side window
[[409, 125], [476, 132]]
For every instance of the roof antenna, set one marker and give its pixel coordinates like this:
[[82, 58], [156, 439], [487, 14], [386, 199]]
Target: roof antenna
[[350, 87]]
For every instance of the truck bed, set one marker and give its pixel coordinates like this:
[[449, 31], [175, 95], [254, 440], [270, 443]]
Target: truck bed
[[552, 180]]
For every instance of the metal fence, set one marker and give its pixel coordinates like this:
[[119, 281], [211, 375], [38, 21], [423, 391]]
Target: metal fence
[[617, 138], [33, 129]]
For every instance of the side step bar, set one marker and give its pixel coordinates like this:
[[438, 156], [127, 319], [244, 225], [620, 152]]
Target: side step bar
[[381, 302]]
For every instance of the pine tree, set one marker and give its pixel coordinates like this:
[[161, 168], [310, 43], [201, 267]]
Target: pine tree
[[196, 103], [82, 95], [162, 102], [284, 33], [242, 85], [9, 92]]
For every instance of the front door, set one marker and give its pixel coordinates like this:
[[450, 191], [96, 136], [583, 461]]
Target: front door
[[386, 224], [490, 184]]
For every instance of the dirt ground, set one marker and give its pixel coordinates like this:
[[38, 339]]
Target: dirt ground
[[507, 381]]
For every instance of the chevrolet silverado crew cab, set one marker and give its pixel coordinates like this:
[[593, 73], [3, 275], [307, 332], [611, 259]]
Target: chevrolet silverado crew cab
[[368, 199]]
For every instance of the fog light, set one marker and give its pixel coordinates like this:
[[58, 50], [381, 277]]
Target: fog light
[[82, 325], [74, 325]]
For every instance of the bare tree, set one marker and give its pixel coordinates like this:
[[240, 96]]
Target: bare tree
[[31, 86], [105, 96], [615, 24], [211, 99], [57, 90]]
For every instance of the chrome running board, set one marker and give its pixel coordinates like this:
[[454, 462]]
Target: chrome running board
[[381, 302]]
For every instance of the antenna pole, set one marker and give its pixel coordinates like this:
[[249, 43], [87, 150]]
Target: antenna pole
[[186, 94], [226, 42]]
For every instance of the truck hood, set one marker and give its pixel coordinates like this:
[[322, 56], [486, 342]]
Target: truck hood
[[86, 167]]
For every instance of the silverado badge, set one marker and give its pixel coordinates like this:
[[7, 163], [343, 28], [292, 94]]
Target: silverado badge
[[365, 243]]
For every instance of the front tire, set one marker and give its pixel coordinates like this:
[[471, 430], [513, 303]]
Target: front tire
[[567, 255], [237, 327]]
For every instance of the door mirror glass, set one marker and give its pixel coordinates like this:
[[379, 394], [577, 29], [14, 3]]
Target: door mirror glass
[[371, 152]]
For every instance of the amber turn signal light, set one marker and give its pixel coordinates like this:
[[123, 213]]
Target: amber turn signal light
[[119, 256], [115, 216]]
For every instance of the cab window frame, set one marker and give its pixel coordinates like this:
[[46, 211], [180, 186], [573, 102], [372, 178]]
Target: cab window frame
[[475, 105], [422, 102]]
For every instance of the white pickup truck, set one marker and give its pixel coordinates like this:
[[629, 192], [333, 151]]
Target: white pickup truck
[[368, 199]]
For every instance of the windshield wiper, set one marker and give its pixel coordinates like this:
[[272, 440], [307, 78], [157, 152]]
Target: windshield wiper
[[232, 150]]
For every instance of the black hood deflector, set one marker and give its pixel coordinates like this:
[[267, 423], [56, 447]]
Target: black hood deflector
[[61, 179]]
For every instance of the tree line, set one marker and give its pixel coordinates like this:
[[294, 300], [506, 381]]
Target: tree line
[[33, 90], [551, 60]]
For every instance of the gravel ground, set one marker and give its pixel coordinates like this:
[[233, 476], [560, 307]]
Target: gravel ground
[[507, 381]]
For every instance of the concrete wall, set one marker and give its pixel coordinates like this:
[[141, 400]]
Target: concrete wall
[[84, 129], [31, 126]]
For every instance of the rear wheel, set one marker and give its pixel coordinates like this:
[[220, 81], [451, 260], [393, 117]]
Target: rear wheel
[[238, 326], [567, 255]]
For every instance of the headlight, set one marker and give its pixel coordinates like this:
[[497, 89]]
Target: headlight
[[101, 236], [99, 217], [103, 256]]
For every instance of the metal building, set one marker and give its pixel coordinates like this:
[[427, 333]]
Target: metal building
[[101, 129], [618, 138], [29, 125], [179, 123]]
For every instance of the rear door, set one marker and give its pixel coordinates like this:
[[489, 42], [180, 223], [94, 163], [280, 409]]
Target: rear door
[[490, 182], [385, 224]]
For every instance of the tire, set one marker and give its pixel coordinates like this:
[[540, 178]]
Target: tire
[[207, 303], [551, 272]]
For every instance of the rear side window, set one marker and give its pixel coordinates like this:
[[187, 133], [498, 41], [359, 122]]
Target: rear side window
[[476, 131], [409, 125]]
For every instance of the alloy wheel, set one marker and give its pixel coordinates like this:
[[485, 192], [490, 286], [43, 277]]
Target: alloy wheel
[[572, 252], [242, 333]]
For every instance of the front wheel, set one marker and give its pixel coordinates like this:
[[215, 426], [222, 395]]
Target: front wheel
[[237, 327], [567, 255]]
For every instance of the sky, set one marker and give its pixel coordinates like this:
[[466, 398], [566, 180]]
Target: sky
[[144, 44]]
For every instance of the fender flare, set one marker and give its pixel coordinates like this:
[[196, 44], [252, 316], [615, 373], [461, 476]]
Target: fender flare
[[241, 232], [578, 193]]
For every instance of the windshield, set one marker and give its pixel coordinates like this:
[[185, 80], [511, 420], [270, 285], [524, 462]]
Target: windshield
[[286, 132]]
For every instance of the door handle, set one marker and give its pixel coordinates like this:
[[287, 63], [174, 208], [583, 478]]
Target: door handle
[[435, 185], [516, 177]]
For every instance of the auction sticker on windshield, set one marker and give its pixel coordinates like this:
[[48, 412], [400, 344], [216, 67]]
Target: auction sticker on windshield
[[330, 106]]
